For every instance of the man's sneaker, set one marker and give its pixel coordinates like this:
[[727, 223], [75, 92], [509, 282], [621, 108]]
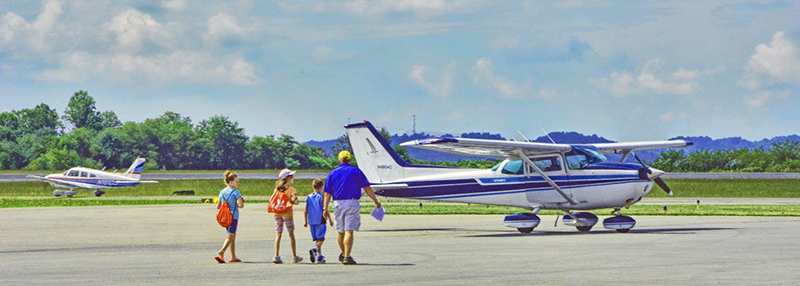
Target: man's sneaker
[[341, 257], [297, 259], [313, 254], [320, 259], [348, 261], [277, 260]]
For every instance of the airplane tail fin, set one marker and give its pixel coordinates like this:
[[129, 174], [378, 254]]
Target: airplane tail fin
[[376, 158], [135, 171]]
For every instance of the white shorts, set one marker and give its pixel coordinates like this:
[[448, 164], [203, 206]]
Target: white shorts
[[347, 216]]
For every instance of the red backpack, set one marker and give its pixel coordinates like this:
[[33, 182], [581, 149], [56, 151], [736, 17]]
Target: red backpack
[[279, 203], [224, 216]]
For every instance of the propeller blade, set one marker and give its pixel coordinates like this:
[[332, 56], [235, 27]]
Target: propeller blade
[[660, 182]]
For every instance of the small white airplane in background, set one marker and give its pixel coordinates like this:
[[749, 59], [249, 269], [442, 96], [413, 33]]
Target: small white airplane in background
[[533, 176], [91, 179]]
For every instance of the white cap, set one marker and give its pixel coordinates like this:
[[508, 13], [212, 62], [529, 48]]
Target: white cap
[[285, 173]]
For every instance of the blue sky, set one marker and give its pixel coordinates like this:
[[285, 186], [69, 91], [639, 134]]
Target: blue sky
[[627, 70]]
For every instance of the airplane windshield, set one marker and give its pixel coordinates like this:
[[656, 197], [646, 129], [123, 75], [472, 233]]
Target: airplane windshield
[[581, 156]]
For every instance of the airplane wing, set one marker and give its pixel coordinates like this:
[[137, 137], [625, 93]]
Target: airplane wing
[[66, 183], [486, 147], [625, 147]]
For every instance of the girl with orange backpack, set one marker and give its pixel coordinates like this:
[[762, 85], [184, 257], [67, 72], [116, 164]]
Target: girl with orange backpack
[[283, 198], [230, 201]]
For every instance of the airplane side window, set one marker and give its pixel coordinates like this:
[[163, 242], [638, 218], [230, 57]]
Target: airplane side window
[[73, 173], [84, 174], [513, 168], [92, 176], [548, 164], [577, 161]]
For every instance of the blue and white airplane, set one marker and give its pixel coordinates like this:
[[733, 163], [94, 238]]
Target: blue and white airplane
[[91, 179], [533, 176]]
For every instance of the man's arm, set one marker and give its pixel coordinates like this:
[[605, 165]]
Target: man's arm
[[372, 196], [325, 201]]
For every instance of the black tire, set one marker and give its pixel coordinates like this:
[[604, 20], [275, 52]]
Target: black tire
[[98, 194], [525, 229], [584, 228], [624, 230]]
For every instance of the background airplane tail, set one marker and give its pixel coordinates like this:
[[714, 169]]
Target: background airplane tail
[[135, 171], [376, 158]]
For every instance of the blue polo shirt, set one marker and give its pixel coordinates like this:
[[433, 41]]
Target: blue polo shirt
[[345, 182], [314, 207]]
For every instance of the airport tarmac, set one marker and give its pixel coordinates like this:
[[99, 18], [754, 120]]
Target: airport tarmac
[[176, 244]]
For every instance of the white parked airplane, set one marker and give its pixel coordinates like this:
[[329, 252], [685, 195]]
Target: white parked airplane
[[91, 179], [533, 176]]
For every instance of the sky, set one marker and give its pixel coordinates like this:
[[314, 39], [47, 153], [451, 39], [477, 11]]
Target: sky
[[625, 70]]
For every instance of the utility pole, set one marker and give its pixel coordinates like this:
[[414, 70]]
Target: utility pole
[[414, 128]]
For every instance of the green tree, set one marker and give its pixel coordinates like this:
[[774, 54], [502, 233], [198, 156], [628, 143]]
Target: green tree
[[41, 118], [56, 159], [81, 111], [261, 152], [109, 119], [225, 142]]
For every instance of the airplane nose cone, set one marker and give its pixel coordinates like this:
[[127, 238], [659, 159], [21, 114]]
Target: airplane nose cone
[[655, 173]]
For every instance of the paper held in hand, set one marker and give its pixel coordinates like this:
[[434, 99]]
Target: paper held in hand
[[377, 213]]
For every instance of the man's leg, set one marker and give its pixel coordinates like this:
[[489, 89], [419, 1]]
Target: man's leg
[[340, 240], [348, 242]]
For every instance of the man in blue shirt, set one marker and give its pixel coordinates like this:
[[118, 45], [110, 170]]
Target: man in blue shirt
[[344, 186]]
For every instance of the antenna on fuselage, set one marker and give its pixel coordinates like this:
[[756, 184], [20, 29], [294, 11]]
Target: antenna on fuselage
[[548, 136]]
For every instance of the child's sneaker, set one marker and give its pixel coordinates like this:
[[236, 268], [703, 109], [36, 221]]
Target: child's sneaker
[[297, 259], [313, 254], [277, 260], [320, 259]]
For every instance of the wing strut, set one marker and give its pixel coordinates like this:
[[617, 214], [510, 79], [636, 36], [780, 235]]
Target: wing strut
[[546, 178]]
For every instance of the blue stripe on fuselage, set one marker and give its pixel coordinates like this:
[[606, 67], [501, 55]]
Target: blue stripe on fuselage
[[468, 187]]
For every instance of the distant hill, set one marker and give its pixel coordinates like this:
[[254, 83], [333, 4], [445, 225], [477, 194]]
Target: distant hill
[[700, 143]]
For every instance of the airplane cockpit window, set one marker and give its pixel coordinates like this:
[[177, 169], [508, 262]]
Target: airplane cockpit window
[[581, 156], [548, 164], [73, 173], [494, 169], [84, 174], [513, 168]]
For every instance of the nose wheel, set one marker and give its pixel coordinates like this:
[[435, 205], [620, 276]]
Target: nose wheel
[[619, 222]]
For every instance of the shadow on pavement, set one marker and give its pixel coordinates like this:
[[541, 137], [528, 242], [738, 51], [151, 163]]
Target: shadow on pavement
[[684, 230]]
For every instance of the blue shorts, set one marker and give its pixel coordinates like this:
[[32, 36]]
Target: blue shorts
[[318, 231], [233, 226]]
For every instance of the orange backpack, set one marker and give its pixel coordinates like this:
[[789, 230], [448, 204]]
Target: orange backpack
[[224, 216], [279, 203]]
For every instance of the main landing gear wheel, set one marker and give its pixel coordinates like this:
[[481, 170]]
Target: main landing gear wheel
[[623, 230], [523, 222], [583, 221], [620, 223], [584, 228], [99, 193]]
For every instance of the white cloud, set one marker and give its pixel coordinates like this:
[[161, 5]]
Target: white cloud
[[223, 27], [36, 34], [760, 98], [324, 53], [174, 5], [445, 86], [424, 8], [648, 79], [776, 62], [178, 66], [133, 30], [483, 73]]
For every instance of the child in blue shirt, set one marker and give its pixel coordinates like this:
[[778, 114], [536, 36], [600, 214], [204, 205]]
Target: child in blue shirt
[[313, 216]]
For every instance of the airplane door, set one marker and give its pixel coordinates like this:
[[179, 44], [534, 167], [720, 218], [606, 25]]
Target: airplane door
[[543, 194]]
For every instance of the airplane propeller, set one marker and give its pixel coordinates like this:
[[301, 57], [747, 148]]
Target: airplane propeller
[[658, 180]]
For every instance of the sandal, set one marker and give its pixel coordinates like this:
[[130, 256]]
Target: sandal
[[219, 259]]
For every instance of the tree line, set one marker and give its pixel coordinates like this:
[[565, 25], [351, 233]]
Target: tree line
[[38, 138]]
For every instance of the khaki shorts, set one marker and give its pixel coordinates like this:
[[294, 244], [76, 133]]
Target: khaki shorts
[[281, 220], [346, 215]]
